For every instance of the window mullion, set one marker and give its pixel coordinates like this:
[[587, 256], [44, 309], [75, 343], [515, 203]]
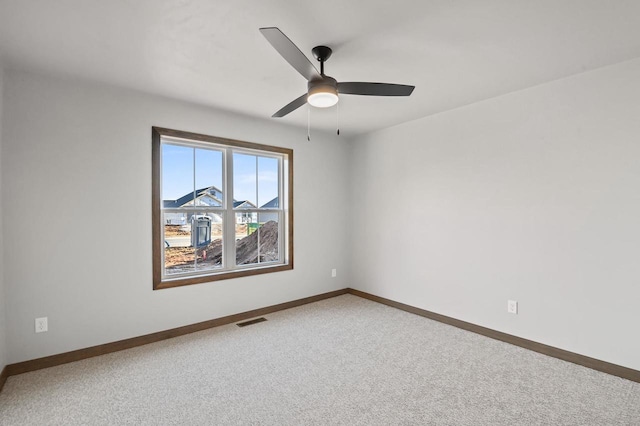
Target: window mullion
[[195, 249], [229, 234], [258, 205], [281, 216]]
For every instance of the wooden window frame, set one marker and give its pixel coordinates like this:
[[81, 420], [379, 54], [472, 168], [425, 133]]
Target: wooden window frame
[[157, 225]]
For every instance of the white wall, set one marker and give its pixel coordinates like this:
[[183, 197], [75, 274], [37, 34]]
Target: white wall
[[78, 155], [3, 343], [533, 196]]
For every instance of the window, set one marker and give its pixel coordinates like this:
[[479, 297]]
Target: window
[[221, 208]]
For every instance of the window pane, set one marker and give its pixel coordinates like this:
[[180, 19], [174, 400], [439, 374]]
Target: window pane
[[268, 182], [193, 246], [260, 243], [207, 238], [179, 255], [208, 176], [245, 183], [177, 175], [269, 232]]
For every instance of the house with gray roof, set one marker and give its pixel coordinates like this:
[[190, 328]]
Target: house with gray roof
[[211, 196]]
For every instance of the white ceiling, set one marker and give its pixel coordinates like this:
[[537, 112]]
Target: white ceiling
[[455, 52]]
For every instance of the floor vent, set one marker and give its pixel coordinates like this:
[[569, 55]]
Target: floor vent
[[251, 322]]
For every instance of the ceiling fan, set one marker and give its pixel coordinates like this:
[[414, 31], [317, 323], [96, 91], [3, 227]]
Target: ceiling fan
[[323, 90]]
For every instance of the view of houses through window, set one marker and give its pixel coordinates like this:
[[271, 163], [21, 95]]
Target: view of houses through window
[[221, 207]]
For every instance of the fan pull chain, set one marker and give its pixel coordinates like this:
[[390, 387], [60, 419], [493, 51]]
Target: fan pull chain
[[309, 123], [338, 118]]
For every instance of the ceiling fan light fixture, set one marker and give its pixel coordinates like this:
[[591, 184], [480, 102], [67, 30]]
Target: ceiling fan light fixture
[[322, 92], [322, 96]]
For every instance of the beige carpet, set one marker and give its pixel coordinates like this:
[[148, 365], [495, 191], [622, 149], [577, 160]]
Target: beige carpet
[[344, 361]]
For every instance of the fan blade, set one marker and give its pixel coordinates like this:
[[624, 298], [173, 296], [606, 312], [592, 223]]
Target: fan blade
[[290, 52], [374, 89], [292, 106]]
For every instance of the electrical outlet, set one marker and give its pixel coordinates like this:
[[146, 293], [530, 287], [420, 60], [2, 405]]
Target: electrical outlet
[[333, 273], [512, 306], [42, 325]]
